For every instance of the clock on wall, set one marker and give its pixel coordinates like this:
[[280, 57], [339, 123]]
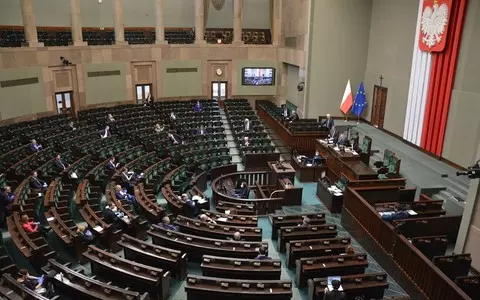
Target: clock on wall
[[219, 72]]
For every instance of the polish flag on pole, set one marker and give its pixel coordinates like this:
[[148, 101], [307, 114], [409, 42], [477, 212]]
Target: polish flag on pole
[[347, 100]]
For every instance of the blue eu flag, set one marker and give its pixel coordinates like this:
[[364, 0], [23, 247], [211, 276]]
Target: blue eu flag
[[360, 101]]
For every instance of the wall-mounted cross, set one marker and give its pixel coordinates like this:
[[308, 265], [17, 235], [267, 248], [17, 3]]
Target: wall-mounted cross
[[381, 79]]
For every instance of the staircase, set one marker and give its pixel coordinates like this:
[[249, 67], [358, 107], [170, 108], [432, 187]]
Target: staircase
[[234, 153]]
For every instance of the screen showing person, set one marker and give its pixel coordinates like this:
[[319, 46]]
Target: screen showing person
[[258, 76]]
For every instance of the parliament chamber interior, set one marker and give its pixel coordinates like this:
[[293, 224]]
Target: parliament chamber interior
[[195, 149]]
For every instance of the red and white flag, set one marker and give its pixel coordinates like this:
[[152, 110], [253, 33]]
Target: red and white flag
[[347, 100]]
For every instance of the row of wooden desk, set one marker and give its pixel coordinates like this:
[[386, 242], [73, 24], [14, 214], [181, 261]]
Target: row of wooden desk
[[303, 142]]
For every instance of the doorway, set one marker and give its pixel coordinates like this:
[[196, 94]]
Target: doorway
[[142, 92], [64, 101], [219, 90], [379, 105]]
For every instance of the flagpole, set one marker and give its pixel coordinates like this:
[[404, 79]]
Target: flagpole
[[358, 119]]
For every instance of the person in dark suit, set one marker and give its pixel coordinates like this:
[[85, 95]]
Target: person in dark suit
[[173, 117], [104, 133], [243, 191], [262, 253], [329, 123], [111, 165], [293, 117], [246, 125], [122, 194], [190, 207], [334, 294], [305, 222], [110, 119], [72, 126], [36, 183], [6, 200], [197, 107], [149, 100], [112, 215], [59, 164], [126, 177], [174, 138], [35, 147]]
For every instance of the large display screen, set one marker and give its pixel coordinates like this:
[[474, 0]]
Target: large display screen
[[258, 76]]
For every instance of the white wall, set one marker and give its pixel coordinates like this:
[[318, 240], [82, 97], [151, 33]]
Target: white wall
[[256, 14]]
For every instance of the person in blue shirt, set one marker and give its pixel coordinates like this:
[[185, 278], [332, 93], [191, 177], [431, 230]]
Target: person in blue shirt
[[191, 209], [197, 107], [112, 165], [84, 233], [121, 194], [35, 147], [166, 224], [262, 253]]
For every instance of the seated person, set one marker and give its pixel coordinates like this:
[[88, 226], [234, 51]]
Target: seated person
[[72, 126], [334, 294], [112, 165], [174, 138], [110, 119], [39, 285], [262, 253], [396, 214], [35, 147], [197, 107], [59, 164], [246, 125], [243, 191], [342, 140], [112, 215], [6, 201], [201, 130], [349, 250], [166, 224], [36, 183], [237, 236], [305, 222], [190, 207], [315, 160], [121, 194], [149, 100], [293, 117], [29, 226], [173, 117], [158, 128], [246, 141], [126, 178], [84, 233], [206, 219], [105, 132]]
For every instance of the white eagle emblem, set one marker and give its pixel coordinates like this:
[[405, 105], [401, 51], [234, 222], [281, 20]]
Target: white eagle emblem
[[434, 20]]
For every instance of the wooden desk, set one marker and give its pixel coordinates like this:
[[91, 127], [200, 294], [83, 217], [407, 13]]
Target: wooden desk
[[307, 174], [292, 195], [279, 173], [347, 162], [332, 202], [303, 142]]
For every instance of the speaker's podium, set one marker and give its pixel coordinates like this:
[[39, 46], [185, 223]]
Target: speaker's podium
[[283, 177]]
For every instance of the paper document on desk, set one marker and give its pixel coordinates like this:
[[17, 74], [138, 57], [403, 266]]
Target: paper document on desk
[[336, 149], [338, 194], [309, 165], [201, 201], [227, 212], [98, 228], [411, 212], [222, 219]]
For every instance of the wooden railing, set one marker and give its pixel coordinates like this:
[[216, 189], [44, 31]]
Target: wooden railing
[[262, 206], [421, 272]]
